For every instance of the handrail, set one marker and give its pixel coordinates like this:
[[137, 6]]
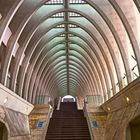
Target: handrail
[[47, 123], [88, 121], [59, 102]]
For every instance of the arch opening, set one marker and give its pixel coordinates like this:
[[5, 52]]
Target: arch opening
[[3, 132], [68, 98], [133, 130]]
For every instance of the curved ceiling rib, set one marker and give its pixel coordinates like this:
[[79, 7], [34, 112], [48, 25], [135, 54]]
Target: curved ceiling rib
[[76, 47], [72, 70]]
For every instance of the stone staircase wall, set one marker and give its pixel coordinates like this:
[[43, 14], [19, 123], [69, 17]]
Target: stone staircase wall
[[39, 120]]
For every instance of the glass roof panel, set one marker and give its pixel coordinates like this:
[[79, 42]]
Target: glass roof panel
[[62, 63], [58, 71], [72, 14], [62, 35], [77, 1], [59, 55], [60, 52], [58, 15], [72, 26], [54, 2], [80, 31], [55, 41], [57, 48], [66, 55], [75, 59], [76, 47], [61, 72], [74, 66], [50, 22], [60, 26], [46, 9], [75, 53], [53, 32], [60, 68]]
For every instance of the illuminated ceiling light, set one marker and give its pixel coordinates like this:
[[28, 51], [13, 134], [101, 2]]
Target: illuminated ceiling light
[[108, 109], [127, 99], [5, 100]]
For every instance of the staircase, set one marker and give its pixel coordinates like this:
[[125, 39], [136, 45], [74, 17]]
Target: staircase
[[68, 124]]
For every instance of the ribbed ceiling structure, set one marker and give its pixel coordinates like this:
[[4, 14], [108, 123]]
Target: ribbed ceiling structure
[[69, 47]]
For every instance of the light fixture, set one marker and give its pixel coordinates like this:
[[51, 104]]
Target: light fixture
[[108, 109], [5, 100], [127, 99]]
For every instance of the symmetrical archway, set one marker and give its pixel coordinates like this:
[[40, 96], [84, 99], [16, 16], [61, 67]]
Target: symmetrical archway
[[76, 47]]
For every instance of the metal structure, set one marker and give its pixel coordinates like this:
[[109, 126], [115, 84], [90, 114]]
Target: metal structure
[[69, 47]]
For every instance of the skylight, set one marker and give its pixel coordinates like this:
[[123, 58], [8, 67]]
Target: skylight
[[72, 26], [62, 35], [65, 17], [72, 14], [60, 26], [54, 2], [58, 15], [76, 2]]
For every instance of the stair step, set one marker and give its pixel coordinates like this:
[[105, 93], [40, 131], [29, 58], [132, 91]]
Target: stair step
[[68, 124]]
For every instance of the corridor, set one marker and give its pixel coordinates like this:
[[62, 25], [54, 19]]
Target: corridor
[[88, 50]]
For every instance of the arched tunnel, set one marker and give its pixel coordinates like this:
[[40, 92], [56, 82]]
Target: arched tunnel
[[89, 49]]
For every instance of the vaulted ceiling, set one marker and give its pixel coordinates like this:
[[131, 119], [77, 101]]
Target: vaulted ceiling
[[76, 47]]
